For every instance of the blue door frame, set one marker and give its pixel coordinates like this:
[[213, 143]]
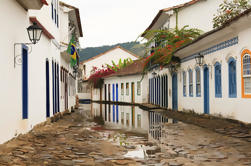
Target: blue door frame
[[113, 99], [53, 87], [47, 89], [117, 106], [206, 90], [25, 90], [174, 92], [58, 105]]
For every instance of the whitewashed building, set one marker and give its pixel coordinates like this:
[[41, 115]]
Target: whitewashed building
[[30, 73], [114, 54], [70, 25], [195, 13], [218, 86]]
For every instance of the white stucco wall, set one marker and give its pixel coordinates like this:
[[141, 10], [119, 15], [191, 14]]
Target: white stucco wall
[[142, 98], [107, 58], [198, 15]]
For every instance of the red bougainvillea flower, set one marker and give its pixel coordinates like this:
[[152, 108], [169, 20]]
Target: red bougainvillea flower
[[228, 11]]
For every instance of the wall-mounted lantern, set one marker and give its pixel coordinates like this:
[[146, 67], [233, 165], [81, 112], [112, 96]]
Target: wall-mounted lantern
[[199, 59], [34, 33], [75, 71]]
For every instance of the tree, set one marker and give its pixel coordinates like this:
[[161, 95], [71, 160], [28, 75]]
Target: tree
[[228, 10]]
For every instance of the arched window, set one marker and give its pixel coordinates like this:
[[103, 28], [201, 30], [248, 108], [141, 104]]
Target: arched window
[[190, 83], [232, 78], [198, 82], [184, 83], [246, 74], [217, 79]]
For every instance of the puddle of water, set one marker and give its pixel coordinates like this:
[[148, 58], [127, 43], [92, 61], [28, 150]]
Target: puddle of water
[[139, 153], [124, 126]]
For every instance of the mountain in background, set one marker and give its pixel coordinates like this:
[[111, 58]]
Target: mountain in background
[[89, 52]]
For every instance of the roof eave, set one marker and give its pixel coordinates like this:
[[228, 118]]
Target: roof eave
[[34, 4]]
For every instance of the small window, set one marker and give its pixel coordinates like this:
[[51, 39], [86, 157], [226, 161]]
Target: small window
[[122, 117], [184, 84], [122, 89], [127, 119], [190, 83], [247, 74], [232, 78], [217, 72], [127, 88], [139, 121], [198, 82], [138, 88]]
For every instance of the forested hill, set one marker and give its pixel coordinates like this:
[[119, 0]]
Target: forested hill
[[89, 52]]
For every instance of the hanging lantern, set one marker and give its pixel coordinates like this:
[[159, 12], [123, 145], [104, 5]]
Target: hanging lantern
[[34, 32]]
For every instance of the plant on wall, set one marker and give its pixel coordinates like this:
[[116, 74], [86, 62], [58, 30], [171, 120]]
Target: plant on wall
[[120, 65], [228, 10], [167, 41], [96, 78]]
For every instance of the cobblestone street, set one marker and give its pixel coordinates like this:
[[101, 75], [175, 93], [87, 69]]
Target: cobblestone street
[[77, 140]]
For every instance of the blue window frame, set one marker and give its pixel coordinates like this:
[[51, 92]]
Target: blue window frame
[[198, 82], [52, 10], [232, 78], [184, 84], [190, 83], [217, 80]]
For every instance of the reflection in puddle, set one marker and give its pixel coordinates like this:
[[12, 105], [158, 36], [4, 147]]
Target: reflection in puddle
[[124, 124], [139, 153]]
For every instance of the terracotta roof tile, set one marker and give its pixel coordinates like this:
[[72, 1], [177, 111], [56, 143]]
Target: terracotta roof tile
[[44, 2], [135, 68]]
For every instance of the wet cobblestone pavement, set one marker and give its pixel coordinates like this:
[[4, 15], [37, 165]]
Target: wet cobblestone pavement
[[77, 140]]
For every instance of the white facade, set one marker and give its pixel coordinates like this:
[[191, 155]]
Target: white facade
[[23, 111], [196, 14], [98, 61], [126, 86], [220, 47]]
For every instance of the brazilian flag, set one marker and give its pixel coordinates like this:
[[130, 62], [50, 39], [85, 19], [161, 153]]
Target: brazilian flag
[[72, 51]]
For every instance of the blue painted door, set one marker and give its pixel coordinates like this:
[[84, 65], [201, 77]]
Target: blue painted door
[[117, 106], [47, 89], [58, 103], [174, 92], [206, 90], [53, 87], [25, 82], [113, 99]]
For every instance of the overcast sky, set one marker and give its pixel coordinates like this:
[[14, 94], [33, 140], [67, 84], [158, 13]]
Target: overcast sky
[[107, 22]]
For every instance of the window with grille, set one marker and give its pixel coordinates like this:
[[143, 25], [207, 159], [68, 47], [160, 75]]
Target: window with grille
[[246, 74], [198, 82], [127, 88], [232, 78], [138, 88], [217, 79], [184, 84], [122, 89], [190, 83]]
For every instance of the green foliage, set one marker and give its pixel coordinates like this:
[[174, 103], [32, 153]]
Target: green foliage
[[228, 10], [120, 65], [89, 52], [168, 41]]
